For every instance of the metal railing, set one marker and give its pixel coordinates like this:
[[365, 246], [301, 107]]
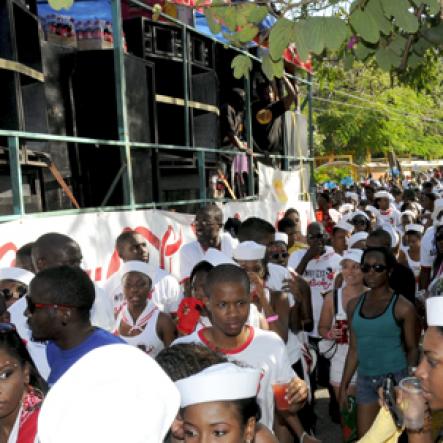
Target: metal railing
[[15, 138]]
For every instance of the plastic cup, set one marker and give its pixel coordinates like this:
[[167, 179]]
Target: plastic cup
[[413, 403], [319, 216], [279, 388]]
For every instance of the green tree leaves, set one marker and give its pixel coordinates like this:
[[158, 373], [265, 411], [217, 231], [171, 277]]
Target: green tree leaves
[[242, 65]]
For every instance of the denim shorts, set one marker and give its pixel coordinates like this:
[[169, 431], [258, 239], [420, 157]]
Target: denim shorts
[[367, 386]]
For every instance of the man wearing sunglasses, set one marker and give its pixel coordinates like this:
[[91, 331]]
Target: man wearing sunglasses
[[58, 311]]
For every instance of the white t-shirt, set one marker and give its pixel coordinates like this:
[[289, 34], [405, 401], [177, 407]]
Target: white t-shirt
[[391, 217], [319, 274], [166, 292], [427, 248], [264, 350], [192, 253]]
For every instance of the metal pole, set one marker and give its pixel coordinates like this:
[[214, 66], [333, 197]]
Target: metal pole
[[249, 140], [313, 188], [120, 92], [16, 175], [186, 78]]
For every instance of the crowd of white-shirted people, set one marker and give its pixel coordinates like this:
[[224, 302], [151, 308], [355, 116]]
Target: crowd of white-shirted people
[[233, 351]]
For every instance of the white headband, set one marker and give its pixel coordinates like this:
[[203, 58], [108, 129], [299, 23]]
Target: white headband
[[352, 254], [355, 238], [281, 236], [345, 226], [382, 194], [434, 311], [408, 212], [249, 250], [17, 274], [138, 266], [415, 227], [221, 382], [363, 214], [346, 207]]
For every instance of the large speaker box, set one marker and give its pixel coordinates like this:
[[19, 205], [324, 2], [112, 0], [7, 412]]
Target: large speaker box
[[95, 115]]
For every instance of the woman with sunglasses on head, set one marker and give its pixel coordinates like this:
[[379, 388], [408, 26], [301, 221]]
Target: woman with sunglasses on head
[[21, 389], [383, 337]]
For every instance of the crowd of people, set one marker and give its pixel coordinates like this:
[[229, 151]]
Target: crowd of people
[[234, 350]]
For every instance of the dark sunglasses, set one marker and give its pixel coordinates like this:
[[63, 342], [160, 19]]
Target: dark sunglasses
[[32, 307], [278, 255], [316, 236], [377, 268]]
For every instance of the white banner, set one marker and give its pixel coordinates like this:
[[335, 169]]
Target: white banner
[[282, 186], [96, 233]]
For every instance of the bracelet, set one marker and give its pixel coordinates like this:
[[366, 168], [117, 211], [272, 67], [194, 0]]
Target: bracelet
[[302, 437], [272, 318]]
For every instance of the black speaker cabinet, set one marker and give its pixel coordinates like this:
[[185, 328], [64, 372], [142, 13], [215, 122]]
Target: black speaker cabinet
[[95, 115]]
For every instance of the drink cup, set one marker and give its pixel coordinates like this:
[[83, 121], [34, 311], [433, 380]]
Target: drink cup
[[413, 403], [279, 388], [319, 216], [342, 324]]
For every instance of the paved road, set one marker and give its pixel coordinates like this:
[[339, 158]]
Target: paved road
[[327, 431]]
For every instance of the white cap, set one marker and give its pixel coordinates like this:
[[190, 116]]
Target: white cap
[[434, 311], [281, 236], [138, 266], [221, 382], [352, 195], [17, 274], [415, 227], [395, 238], [85, 405], [361, 213], [382, 194], [352, 254], [355, 238], [346, 207], [438, 207], [345, 226], [249, 250], [216, 257], [408, 212]]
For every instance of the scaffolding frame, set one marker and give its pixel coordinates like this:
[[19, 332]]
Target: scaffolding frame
[[15, 138]]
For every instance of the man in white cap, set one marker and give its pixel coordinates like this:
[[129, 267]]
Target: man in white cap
[[387, 213], [166, 292], [113, 394], [227, 298], [208, 230], [428, 251]]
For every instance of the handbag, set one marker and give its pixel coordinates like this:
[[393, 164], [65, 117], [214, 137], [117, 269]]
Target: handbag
[[327, 348]]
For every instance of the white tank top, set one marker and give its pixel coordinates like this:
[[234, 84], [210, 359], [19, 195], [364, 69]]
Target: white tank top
[[148, 340]]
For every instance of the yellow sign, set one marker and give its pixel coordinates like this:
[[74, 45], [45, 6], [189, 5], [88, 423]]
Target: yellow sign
[[60, 4]]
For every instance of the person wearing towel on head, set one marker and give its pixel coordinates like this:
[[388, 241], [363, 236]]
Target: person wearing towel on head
[[387, 214], [140, 322], [114, 394], [220, 401]]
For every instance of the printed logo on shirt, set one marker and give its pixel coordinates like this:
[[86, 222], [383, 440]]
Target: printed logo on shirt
[[320, 278]]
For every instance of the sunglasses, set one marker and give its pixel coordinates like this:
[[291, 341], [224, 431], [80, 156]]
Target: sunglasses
[[377, 268], [32, 307], [278, 255]]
